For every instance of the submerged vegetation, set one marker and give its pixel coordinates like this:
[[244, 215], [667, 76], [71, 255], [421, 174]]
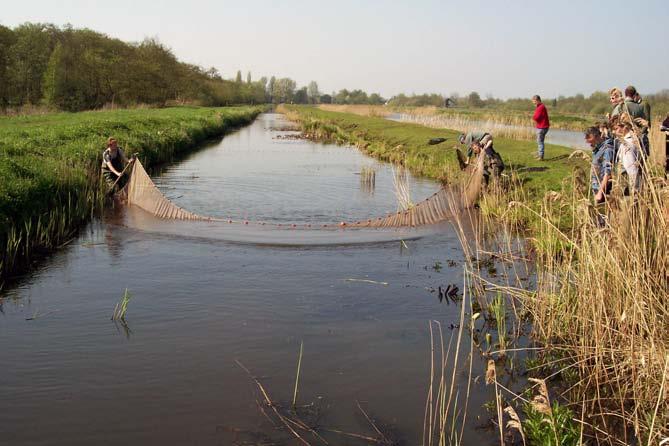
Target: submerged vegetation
[[50, 166]]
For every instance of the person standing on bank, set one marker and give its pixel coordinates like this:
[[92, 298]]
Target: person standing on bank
[[540, 117], [113, 163], [636, 113], [602, 163]]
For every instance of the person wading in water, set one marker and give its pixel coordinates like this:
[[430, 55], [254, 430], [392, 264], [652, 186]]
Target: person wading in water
[[113, 163]]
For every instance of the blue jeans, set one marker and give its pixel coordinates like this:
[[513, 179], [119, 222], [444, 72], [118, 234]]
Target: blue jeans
[[541, 136]]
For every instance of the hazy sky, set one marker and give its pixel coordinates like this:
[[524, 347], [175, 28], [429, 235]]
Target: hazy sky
[[511, 48]]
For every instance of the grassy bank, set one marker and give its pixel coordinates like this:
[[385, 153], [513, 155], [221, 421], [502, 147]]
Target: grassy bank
[[408, 144], [50, 166]]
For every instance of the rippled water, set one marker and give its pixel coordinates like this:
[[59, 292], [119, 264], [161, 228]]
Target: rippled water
[[72, 376]]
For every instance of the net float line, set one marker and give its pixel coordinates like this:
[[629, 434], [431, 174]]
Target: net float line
[[143, 193]]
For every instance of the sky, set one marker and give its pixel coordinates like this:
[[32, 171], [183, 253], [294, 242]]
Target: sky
[[514, 48]]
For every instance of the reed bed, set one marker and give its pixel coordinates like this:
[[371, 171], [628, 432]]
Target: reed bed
[[657, 143], [361, 110], [506, 127], [599, 311], [50, 167], [368, 179]]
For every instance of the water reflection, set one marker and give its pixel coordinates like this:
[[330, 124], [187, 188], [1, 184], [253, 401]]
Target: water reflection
[[201, 303]]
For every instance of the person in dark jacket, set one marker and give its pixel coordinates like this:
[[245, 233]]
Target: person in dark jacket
[[540, 117], [113, 163]]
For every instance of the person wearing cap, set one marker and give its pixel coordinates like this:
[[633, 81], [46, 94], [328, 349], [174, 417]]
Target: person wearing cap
[[113, 163], [482, 141], [602, 162], [543, 124]]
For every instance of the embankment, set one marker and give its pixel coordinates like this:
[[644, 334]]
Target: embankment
[[50, 166], [408, 144]]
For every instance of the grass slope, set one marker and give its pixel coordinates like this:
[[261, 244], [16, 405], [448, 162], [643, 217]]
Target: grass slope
[[408, 144], [49, 165]]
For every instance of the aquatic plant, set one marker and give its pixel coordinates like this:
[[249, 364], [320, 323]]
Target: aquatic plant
[[121, 307], [368, 178], [297, 374]]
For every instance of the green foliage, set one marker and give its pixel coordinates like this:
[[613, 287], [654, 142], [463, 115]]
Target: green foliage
[[49, 165], [78, 69], [356, 97], [282, 90], [555, 429], [402, 100]]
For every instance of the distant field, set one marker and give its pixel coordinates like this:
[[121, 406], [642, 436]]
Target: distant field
[[562, 121], [50, 165]]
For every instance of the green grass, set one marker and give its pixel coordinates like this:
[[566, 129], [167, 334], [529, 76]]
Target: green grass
[[408, 144], [50, 166]]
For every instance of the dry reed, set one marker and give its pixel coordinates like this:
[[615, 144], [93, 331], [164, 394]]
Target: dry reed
[[362, 110], [600, 306], [505, 127]]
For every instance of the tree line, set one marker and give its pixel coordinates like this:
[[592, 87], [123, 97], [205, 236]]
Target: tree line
[[79, 69]]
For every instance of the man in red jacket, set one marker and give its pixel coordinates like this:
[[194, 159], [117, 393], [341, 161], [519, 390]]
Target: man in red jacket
[[541, 118]]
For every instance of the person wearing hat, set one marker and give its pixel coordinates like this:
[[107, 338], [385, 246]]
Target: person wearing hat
[[113, 163], [482, 141]]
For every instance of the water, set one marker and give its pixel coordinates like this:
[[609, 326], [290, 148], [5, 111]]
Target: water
[[72, 376]]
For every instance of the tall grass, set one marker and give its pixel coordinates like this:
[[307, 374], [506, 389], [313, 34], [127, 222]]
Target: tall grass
[[50, 166], [502, 126], [599, 309], [496, 118], [657, 143], [362, 110]]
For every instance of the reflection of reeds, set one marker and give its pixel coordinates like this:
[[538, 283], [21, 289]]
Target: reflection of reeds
[[368, 178]]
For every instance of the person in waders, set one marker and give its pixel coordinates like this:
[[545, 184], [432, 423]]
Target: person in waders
[[481, 141], [113, 163]]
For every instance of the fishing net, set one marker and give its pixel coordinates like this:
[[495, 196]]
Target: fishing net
[[143, 193]]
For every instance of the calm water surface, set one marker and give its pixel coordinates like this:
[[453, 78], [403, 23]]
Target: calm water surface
[[72, 376]]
